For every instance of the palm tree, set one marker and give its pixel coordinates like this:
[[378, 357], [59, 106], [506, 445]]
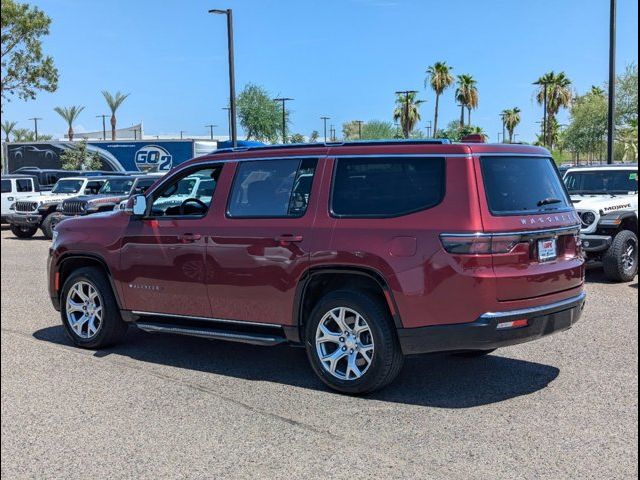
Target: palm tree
[[114, 102], [557, 88], [7, 128], [511, 119], [70, 114], [597, 91], [407, 112], [466, 95], [439, 77]]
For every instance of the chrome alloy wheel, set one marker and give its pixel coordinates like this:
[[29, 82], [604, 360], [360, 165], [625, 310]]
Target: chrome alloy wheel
[[630, 256], [84, 309], [344, 343]]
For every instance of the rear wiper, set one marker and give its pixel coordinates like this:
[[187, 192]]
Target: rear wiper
[[549, 201]]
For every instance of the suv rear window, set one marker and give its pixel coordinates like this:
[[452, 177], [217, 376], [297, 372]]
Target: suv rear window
[[386, 187], [522, 185]]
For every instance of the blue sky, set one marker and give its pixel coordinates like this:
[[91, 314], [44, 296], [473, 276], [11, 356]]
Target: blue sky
[[341, 58]]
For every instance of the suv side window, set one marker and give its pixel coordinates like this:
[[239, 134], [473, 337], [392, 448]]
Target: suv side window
[[6, 186], [24, 185], [271, 188], [92, 188], [181, 198], [386, 187]]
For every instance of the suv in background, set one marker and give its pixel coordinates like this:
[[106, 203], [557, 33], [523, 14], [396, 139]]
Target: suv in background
[[34, 212], [112, 192], [362, 252], [47, 178], [606, 199], [14, 188]]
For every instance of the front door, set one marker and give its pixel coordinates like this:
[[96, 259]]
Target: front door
[[163, 254], [261, 245]]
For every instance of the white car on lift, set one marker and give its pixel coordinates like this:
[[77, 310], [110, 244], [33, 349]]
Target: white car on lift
[[606, 198]]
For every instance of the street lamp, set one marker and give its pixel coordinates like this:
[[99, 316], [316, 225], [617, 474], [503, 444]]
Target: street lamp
[[406, 94], [35, 122], [104, 126], [324, 120], [211, 127], [284, 116], [232, 77], [359, 122]]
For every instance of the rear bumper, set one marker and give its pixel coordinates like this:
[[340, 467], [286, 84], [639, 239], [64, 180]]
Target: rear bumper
[[483, 333], [25, 219], [595, 243]]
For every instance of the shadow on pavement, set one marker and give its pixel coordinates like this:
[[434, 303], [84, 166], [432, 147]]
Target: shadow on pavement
[[439, 380]]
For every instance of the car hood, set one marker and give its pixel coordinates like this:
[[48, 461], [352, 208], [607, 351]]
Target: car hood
[[605, 203], [48, 197]]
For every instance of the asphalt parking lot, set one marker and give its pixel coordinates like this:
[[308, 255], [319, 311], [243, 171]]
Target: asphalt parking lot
[[161, 406]]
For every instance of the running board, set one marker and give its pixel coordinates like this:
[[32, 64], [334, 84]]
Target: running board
[[213, 334]]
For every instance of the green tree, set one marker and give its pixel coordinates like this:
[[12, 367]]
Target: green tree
[[69, 114], [78, 157], [296, 138], [313, 138], [114, 102], [559, 95], [587, 130], [511, 119], [439, 77], [407, 112], [378, 130], [627, 97], [466, 95], [260, 116], [455, 132], [25, 68], [26, 135], [7, 128]]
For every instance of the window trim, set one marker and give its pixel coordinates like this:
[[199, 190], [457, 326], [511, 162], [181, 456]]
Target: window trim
[[228, 214], [336, 160], [187, 171], [568, 208]]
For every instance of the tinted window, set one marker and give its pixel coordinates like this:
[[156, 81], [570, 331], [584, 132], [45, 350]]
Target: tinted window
[[6, 186], [67, 186], [117, 186], [602, 181], [93, 188], [519, 185], [272, 188], [386, 187], [24, 185], [143, 185], [177, 198]]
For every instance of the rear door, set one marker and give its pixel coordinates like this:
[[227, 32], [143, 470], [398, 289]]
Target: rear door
[[8, 196], [526, 206]]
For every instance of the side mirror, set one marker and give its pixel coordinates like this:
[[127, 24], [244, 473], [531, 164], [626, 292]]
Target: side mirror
[[136, 205]]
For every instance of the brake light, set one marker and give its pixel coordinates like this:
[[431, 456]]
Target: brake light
[[479, 244]]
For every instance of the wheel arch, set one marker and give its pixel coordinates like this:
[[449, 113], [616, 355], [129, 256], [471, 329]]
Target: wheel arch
[[73, 261]]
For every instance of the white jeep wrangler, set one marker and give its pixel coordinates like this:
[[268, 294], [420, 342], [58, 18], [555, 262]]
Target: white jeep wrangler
[[606, 198]]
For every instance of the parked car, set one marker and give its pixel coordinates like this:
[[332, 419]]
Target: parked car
[[112, 192], [362, 252], [606, 199], [47, 178], [34, 212], [14, 188]]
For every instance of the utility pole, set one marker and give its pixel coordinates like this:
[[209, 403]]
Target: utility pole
[[228, 109], [284, 116], [406, 94], [211, 127], [612, 82], [324, 120], [359, 122], [35, 125], [544, 118], [500, 133], [104, 126], [181, 132], [232, 77], [332, 132], [429, 127]]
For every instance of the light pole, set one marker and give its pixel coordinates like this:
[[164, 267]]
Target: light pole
[[211, 127], [429, 127], [500, 133], [232, 76], [284, 100], [332, 133], [228, 109], [359, 122], [324, 120], [544, 118], [181, 132], [104, 126], [35, 125], [612, 81], [406, 94]]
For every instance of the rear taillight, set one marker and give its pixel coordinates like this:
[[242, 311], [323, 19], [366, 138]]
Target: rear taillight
[[479, 244]]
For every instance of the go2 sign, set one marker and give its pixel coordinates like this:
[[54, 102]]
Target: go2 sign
[[152, 158]]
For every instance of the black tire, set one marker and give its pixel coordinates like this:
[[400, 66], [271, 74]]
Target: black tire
[[616, 267], [387, 357], [47, 227], [474, 353], [23, 232], [112, 328]]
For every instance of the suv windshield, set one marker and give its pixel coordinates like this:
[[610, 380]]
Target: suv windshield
[[118, 185], [67, 186], [602, 182], [522, 185]]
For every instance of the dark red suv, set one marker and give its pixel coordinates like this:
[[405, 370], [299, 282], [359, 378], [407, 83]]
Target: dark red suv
[[363, 252]]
